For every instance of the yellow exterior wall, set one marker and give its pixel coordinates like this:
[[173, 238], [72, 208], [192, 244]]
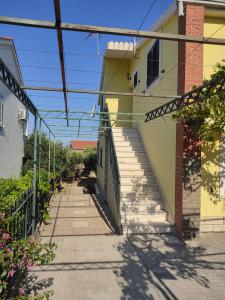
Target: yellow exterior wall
[[211, 204], [114, 79], [159, 137], [213, 54]]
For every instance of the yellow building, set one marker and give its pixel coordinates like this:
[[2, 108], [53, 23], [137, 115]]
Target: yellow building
[[156, 175]]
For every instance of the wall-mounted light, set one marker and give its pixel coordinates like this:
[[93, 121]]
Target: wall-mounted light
[[129, 76]]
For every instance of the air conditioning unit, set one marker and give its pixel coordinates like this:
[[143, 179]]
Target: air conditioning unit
[[22, 114]]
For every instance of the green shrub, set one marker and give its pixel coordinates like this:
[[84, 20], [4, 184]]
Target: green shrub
[[90, 159], [11, 189], [18, 256]]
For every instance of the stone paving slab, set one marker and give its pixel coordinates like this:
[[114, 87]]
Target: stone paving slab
[[103, 266]]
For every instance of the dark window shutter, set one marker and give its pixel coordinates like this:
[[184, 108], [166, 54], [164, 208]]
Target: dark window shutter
[[153, 64]]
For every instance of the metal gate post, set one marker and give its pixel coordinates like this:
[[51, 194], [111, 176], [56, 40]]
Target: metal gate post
[[54, 156], [49, 154], [39, 150], [34, 176]]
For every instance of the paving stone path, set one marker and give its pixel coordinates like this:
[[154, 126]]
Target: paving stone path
[[94, 263]]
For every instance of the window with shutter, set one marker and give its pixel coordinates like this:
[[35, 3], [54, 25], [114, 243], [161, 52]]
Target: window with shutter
[[135, 79], [153, 60]]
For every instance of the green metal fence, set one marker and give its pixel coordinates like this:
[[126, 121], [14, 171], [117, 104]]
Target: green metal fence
[[20, 219]]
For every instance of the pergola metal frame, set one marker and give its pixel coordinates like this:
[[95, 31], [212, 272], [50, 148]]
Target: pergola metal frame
[[187, 99], [11, 83]]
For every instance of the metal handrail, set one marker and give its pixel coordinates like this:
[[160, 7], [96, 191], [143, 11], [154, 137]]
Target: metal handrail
[[113, 157]]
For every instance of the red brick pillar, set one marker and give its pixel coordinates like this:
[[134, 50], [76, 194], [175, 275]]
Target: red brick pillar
[[190, 73]]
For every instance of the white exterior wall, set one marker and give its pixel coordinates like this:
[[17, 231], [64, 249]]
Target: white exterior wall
[[11, 135]]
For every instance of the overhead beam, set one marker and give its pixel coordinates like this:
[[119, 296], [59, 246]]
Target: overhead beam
[[90, 113], [111, 31], [72, 126], [186, 100], [95, 92], [95, 120], [75, 135], [61, 52]]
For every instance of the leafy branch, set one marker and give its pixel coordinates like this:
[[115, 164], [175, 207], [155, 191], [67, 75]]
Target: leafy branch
[[207, 117]]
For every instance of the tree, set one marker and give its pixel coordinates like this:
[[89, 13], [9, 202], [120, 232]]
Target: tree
[[207, 117], [60, 154], [65, 159]]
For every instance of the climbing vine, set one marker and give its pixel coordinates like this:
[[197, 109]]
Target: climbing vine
[[207, 117]]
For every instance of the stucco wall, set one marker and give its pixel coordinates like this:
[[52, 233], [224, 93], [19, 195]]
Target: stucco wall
[[211, 204], [159, 137], [114, 79], [11, 135]]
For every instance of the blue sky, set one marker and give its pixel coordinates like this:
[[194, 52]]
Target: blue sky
[[37, 48]]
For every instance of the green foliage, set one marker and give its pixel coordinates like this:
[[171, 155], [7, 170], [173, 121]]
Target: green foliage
[[19, 256], [90, 159], [72, 160], [66, 160], [87, 158], [207, 118], [60, 154], [43, 296], [11, 189]]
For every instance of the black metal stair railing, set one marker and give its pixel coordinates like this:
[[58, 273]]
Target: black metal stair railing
[[112, 156]]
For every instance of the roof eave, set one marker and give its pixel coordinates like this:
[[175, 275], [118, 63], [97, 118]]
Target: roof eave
[[162, 20]]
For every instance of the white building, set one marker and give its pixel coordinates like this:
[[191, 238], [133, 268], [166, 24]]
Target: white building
[[13, 117]]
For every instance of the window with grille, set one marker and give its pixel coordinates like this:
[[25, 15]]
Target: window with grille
[[153, 60], [135, 82], [100, 157]]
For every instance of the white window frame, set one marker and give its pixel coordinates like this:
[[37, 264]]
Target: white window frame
[[148, 88]]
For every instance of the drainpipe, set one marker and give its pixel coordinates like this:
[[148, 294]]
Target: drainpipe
[[180, 5]]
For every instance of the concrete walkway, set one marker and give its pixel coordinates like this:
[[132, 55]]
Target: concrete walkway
[[93, 263]]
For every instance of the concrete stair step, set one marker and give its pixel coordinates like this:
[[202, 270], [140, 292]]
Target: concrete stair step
[[124, 129], [137, 188], [138, 172], [144, 200], [132, 135], [124, 139], [131, 154], [134, 166], [151, 227], [128, 148], [141, 218], [128, 180], [138, 197], [130, 160], [140, 208], [128, 142]]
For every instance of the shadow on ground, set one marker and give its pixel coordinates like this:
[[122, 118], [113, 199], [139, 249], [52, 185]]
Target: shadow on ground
[[153, 261]]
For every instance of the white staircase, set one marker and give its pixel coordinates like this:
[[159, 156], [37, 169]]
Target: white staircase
[[140, 204]]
